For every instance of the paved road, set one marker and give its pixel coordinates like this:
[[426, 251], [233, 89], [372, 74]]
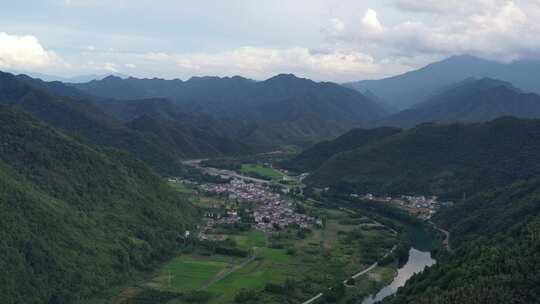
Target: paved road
[[367, 270], [315, 298], [446, 241], [370, 268], [228, 272]]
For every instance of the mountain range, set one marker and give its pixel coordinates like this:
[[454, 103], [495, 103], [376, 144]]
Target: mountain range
[[405, 90], [76, 112], [282, 110], [469, 101]]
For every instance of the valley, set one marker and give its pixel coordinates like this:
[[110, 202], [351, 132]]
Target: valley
[[260, 240], [418, 188]]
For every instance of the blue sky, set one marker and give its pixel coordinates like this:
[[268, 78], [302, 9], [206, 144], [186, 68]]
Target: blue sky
[[337, 40]]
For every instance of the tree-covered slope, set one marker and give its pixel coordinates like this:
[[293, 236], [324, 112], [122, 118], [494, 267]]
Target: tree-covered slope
[[281, 110], [75, 219], [82, 118], [179, 135], [315, 156], [450, 160], [186, 135], [470, 101], [496, 259]]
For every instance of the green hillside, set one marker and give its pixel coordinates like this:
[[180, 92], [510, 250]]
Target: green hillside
[[447, 160], [75, 220], [315, 156], [496, 238]]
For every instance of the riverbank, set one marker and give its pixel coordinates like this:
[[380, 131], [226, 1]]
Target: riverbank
[[416, 263]]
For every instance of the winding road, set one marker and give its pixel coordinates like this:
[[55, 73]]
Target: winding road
[[235, 268], [361, 273], [446, 241]]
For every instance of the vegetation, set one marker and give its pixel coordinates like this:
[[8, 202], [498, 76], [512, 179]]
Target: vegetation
[[283, 110], [260, 171], [290, 265], [470, 101], [447, 160], [76, 219], [496, 260], [314, 157], [156, 132]]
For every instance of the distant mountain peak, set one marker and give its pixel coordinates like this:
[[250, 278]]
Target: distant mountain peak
[[112, 78], [415, 87], [285, 77]]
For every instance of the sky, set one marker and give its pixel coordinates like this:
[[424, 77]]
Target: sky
[[330, 40]]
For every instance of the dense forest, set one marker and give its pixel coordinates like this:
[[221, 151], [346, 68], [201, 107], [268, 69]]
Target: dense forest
[[448, 160], [496, 239], [159, 140], [313, 157], [77, 219]]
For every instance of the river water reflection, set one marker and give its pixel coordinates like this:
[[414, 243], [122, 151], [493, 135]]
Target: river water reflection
[[418, 261]]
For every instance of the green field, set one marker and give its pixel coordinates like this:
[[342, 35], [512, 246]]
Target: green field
[[273, 265], [313, 262], [261, 171], [191, 273], [250, 239], [182, 188]]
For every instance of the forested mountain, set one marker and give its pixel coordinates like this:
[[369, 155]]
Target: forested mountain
[[79, 115], [281, 110], [187, 135], [496, 259], [406, 90], [315, 156], [77, 219], [448, 160], [470, 101]]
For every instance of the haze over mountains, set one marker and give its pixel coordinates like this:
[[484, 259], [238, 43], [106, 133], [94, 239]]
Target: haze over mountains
[[469, 101], [406, 90], [210, 116], [281, 110]]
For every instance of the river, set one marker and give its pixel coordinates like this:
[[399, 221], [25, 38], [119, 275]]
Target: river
[[418, 261]]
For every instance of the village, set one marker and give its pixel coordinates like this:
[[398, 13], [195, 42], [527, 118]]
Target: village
[[424, 207], [255, 204]]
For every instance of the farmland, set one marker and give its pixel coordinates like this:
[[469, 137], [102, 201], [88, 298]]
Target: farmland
[[261, 171]]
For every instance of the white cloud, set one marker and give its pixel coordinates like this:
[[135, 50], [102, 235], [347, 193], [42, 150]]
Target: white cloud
[[110, 67], [371, 22], [24, 52], [260, 63], [441, 6], [495, 29], [252, 62]]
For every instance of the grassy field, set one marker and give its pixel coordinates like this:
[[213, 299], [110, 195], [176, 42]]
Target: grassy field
[[253, 238], [182, 188], [273, 265], [262, 171], [191, 273]]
